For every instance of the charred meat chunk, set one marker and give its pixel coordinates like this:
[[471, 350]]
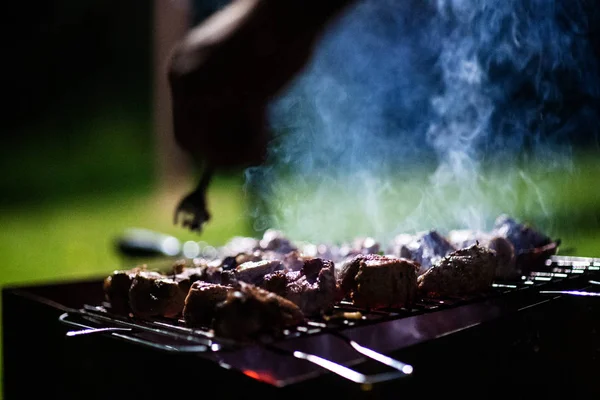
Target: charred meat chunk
[[521, 236], [188, 276], [347, 274], [201, 302], [462, 272], [153, 295], [277, 281], [504, 249], [248, 311], [116, 289], [312, 267], [313, 288], [314, 296], [425, 248], [383, 281], [254, 272]]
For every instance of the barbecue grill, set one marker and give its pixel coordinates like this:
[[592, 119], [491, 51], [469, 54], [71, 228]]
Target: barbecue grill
[[537, 334]]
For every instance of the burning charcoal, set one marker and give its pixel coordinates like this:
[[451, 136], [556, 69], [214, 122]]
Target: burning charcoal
[[201, 302], [153, 295], [359, 246], [522, 236], [460, 273], [366, 245], [239, 245], [424, 248], [275, 241], [249, 310], [324, 251], [294, 260], [254, 272]]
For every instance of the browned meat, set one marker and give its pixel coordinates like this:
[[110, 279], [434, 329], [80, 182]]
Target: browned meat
[[294, 260], [254, 272], [277, 281], [116, 289], [249, 310], [384, 281], [151, 294], [504, 249], [313, 289], [201, 303], [462, 272], [424, 248], [347, 274], [314, 297], [312, 267]]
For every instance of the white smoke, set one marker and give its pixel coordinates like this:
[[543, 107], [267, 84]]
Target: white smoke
[[417, 115]]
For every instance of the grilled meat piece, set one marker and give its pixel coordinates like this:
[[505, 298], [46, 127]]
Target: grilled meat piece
[[188, 276], [254, 272], [116, 289], [314, 297], [249, 310], [385, 282], [425, 248], [151, 295], [346, 276], [278, 281], [521, 236], [462, 272], [313, 289], [504, 249], [312, 268], [201, 302]]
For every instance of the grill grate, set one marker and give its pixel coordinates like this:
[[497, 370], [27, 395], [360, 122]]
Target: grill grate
[[157, 332]]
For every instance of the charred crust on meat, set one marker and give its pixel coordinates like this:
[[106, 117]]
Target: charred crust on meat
[[465, 271], [248, 311], [201, 302], [383, 281], [151, 294]]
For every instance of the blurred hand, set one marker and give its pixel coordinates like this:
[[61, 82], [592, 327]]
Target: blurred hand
[[225, 72]]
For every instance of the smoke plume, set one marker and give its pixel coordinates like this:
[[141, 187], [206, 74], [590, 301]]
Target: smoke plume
[[416, 115]]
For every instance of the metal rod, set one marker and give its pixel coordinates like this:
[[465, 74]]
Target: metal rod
[[97, 330]]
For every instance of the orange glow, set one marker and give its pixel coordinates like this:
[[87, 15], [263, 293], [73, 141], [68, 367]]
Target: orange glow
[[260, 376]]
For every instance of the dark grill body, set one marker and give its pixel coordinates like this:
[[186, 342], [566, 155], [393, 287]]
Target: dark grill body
[[513, 341]]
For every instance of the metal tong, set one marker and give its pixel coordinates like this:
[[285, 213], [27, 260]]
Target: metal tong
[[206, 342]]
